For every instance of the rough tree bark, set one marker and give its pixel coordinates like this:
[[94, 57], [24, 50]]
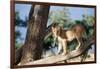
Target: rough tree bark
[[18, 53], [32, 48]]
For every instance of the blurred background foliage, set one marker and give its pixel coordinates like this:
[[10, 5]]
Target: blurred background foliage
[[62, 17]]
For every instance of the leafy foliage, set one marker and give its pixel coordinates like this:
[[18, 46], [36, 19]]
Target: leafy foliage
[[48, 43], [63, 18]]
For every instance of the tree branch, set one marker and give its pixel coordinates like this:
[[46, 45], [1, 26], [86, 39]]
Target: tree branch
[[72, 54]]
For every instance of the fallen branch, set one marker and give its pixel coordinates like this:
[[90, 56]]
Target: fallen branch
[[57, 58]]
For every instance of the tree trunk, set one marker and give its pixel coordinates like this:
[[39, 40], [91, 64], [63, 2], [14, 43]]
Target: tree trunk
[[18, 53], [32, 48]]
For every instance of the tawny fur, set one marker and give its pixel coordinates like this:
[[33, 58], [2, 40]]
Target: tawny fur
[[65, 36]]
